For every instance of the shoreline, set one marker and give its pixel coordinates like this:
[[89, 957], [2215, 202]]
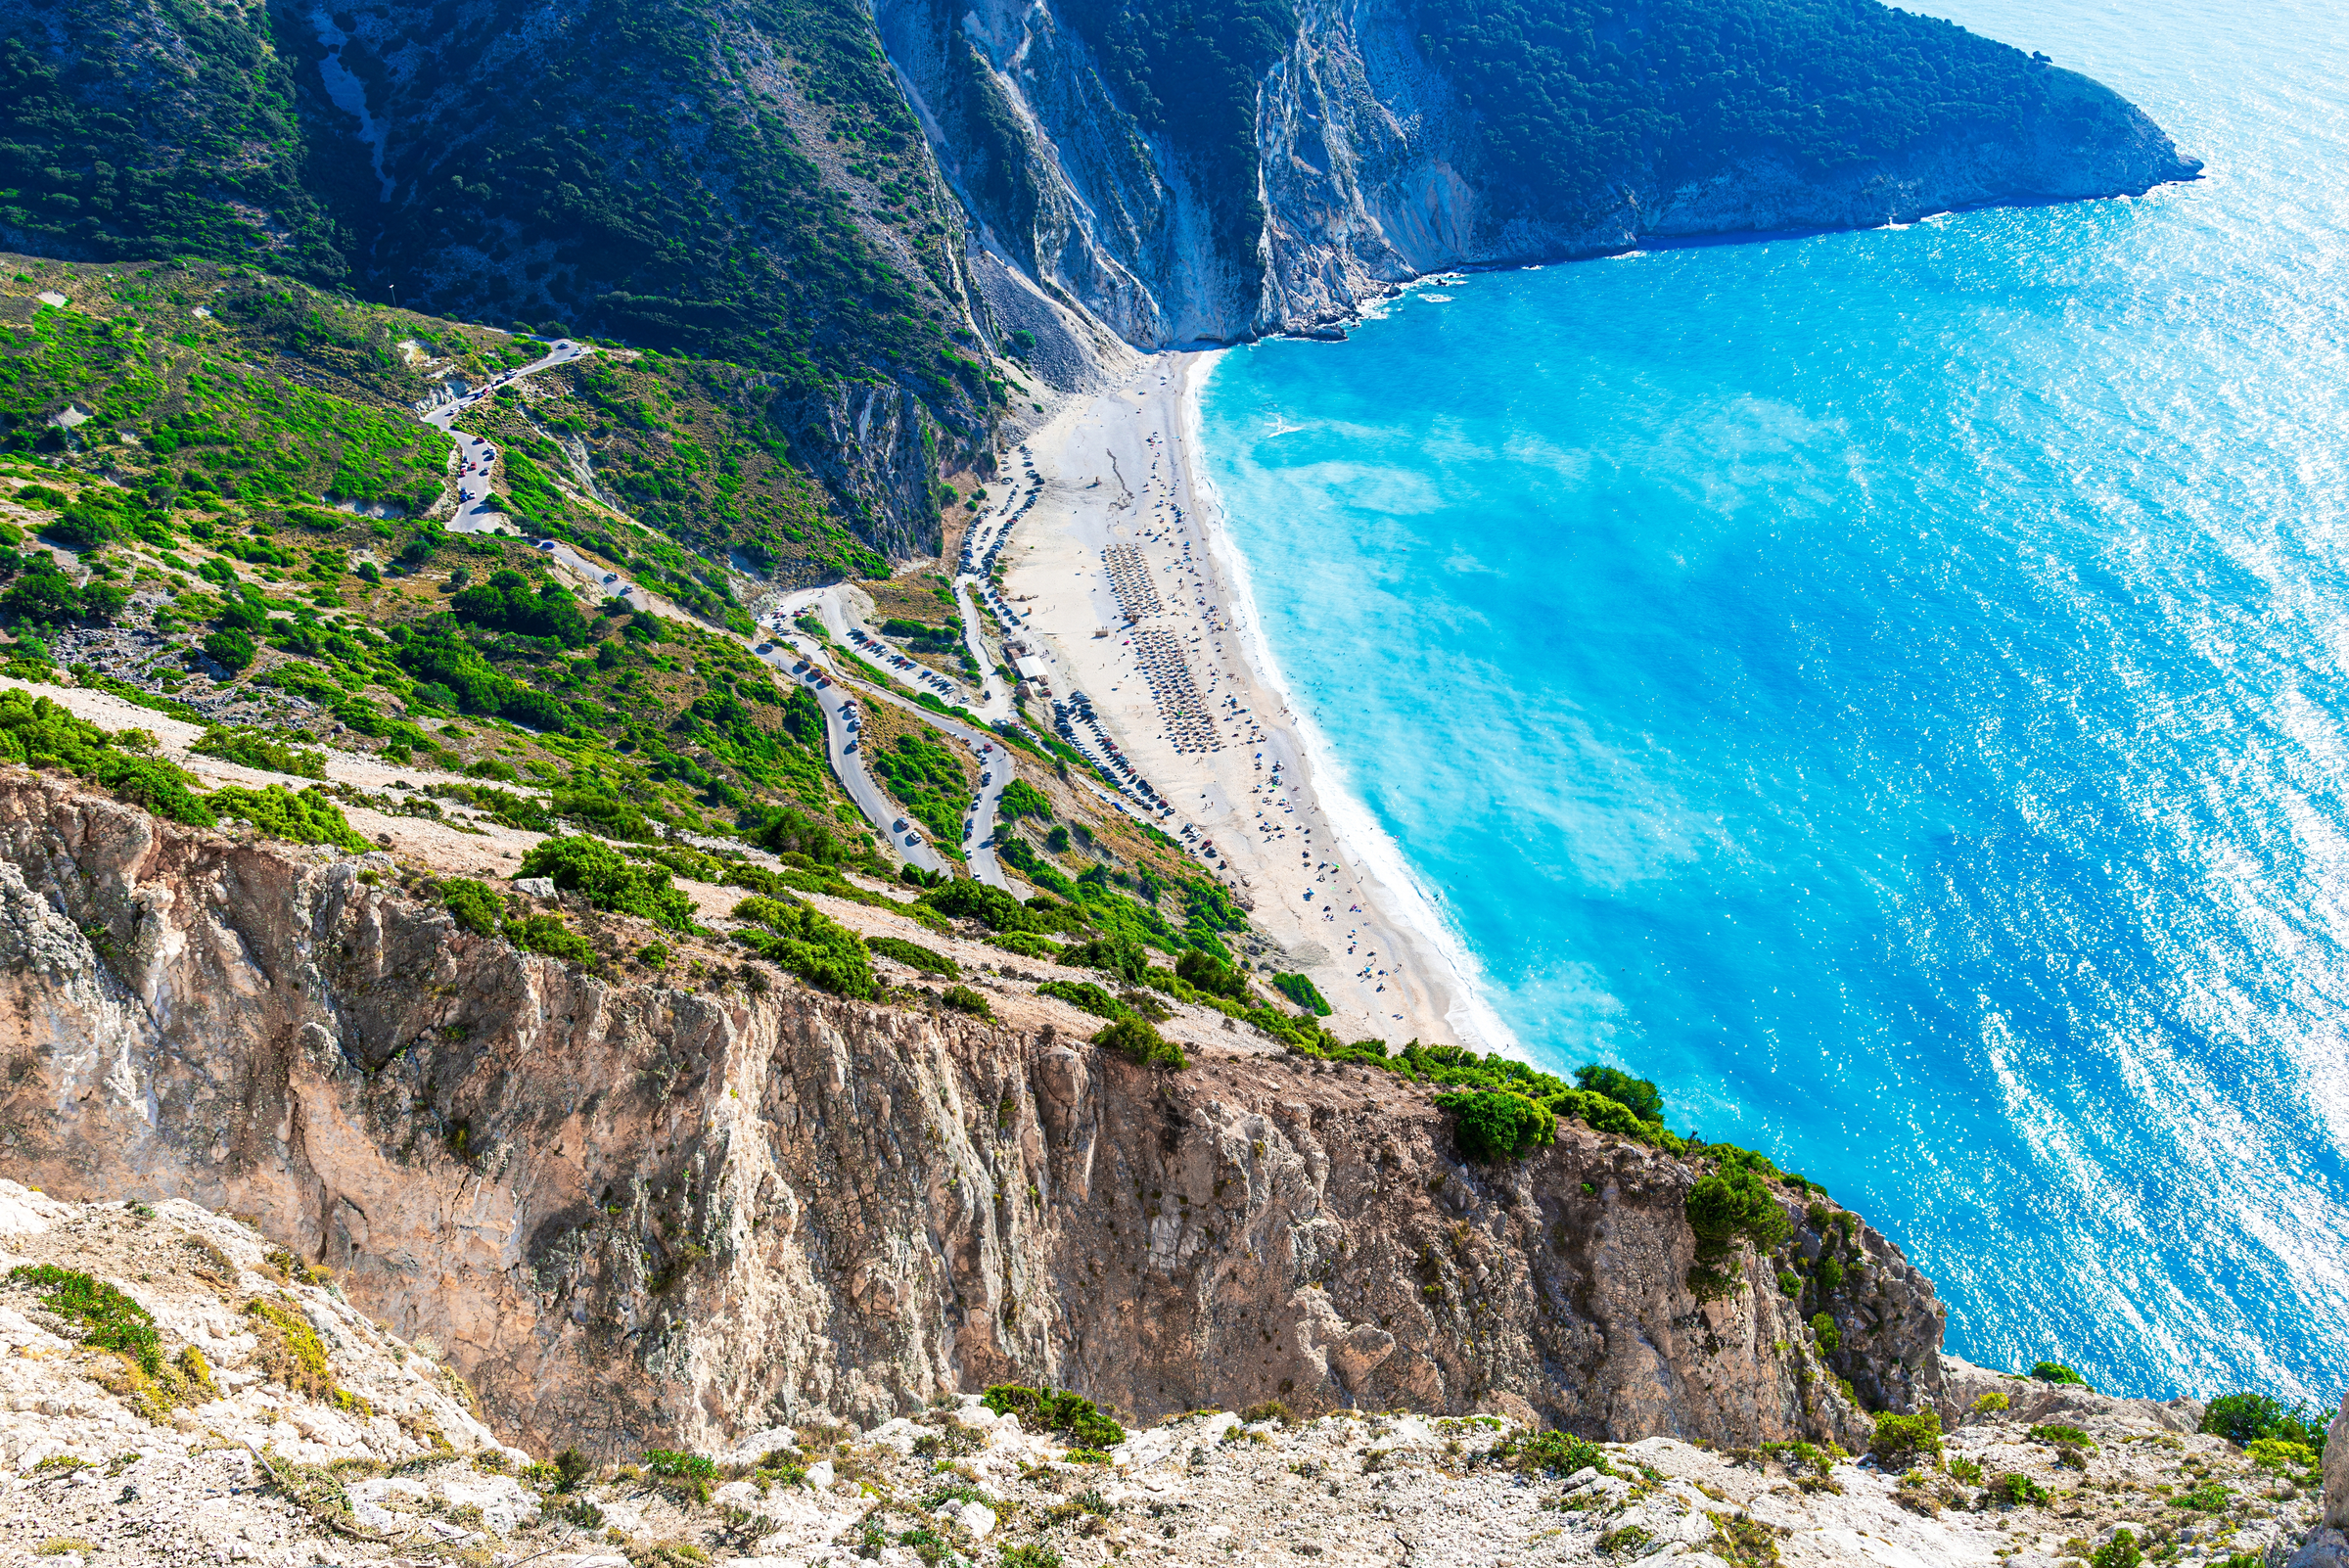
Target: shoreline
[[1119, 471], [1360, 834]]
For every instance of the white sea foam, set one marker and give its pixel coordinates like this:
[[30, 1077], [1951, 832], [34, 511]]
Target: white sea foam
[[1409, 897]]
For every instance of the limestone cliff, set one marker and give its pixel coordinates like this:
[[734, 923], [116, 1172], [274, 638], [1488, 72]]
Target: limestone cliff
[[653, 1212], [1371, 171]]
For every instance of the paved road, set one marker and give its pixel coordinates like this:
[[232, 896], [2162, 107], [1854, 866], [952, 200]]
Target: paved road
[[979, 823], [799, 659], [842, 726], [474, 455]]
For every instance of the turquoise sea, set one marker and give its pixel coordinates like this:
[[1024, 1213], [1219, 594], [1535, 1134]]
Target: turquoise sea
[[1893, 689]]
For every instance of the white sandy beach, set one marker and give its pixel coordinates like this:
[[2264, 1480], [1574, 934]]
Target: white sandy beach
[[1118, 470]]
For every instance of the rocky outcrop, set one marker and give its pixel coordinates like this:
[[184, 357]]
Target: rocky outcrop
[[266, 1460], [1370, 175], [631, 1212]]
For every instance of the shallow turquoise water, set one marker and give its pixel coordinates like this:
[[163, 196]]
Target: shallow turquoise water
[[1893, 689]]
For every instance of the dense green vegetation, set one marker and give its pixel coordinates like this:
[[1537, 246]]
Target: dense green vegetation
[[1574, 98], [205, 426], [179, 164], [2248, 1419], [685, 212], [278, 812], [1490, 1125], [599, 874], [794, 937], [927, 779]]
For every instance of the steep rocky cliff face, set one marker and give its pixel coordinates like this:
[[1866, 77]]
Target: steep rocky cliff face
[[639, 1213], [1374, 168]]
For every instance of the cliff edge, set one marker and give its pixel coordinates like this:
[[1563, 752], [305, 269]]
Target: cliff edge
[[653, 1214]]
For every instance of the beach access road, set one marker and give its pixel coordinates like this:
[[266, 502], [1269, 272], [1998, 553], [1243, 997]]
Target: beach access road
[[979, 817], [841, 729], [993, 703], [475, 461], [476, 458]]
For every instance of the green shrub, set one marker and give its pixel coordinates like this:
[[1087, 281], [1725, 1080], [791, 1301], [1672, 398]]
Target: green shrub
[[1991, 1403], [1085, 996], [230, 648], [2060, 1437], [1027, 946], [2015, 1489], [277, 813], [1600, 1114], [1830, 1274], [570, 1468], [1300, 989], [1023, 799], [548, 934], [1204, 971], [967, 899], [963, 999], [1557, 1452], [1732, 1203], [914, 956], [2245, 1418], [250, 749], [2283, 1455], [794, 936], [1071, 1415], [476, 905], [1495, 1124], [2121, 1552], [1830, 1338], [1136, 1039], [1121, 955], [1029, 1554], [2057, 1372], [1898, 1438], [685, 1466], [1634, 1094], [2205, 1496], [111, 1319], [601, 875]]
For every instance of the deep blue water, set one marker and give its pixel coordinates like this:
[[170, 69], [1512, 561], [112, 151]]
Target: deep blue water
[[1898, 695]]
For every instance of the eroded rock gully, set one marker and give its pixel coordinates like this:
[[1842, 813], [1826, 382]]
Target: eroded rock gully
[[643, 1213]]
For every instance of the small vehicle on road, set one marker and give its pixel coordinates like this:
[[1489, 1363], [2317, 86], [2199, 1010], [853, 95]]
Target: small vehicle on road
[[611, 576], [546, 545]]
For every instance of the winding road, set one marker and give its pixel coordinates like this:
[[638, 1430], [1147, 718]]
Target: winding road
[[795, 658]]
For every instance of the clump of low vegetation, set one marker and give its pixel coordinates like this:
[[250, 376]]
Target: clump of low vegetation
[[913, 955], [608, 880], [1900, 1439], [1139, 1040], [109, 1318], [1493, 1124], [794, 936], [963, 999], [1056, 1412]]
